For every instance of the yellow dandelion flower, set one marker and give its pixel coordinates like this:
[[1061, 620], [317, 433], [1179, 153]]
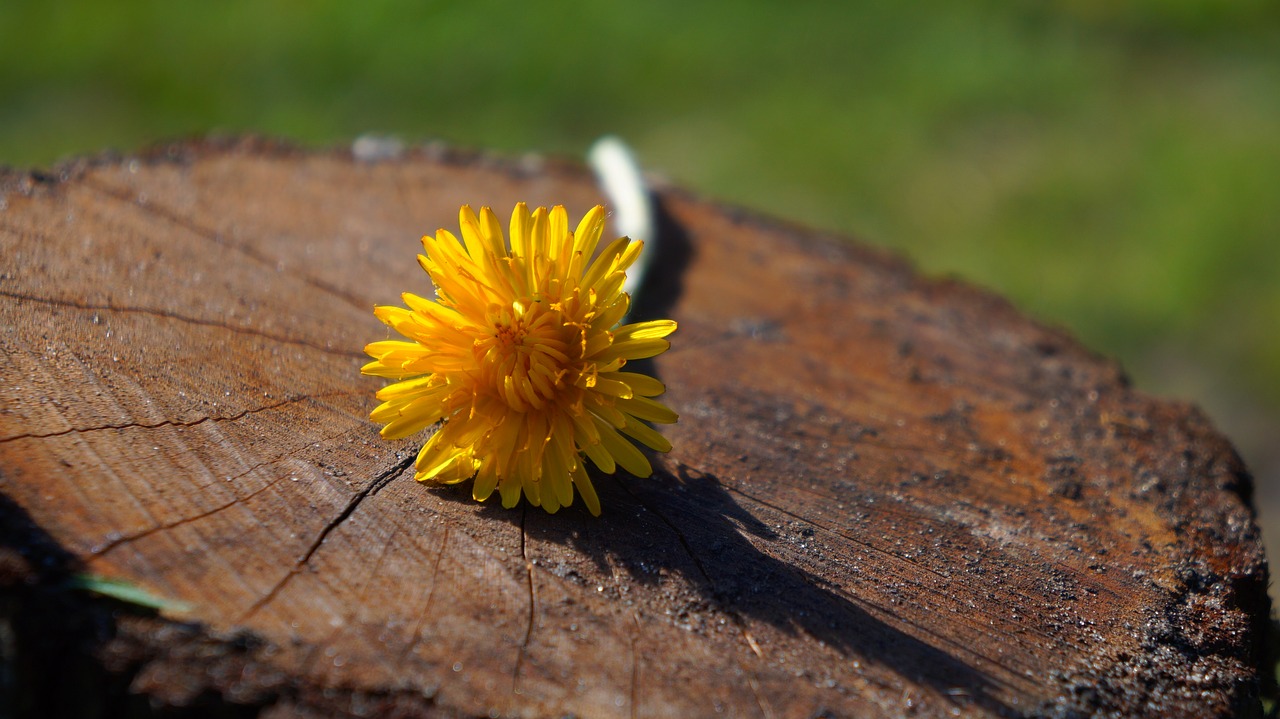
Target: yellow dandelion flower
[[520, 359]]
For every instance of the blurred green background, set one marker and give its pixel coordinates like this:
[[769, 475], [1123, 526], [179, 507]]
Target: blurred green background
[[1111, 165]]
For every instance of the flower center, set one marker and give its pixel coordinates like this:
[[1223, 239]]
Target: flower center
[[527, 359], [510, 336]]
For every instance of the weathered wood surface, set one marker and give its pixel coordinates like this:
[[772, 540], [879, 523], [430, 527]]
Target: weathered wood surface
[[888, 496]]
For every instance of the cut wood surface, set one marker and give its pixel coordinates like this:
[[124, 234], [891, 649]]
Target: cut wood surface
[[889, 495]]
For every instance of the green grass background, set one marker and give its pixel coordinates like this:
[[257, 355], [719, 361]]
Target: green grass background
[[1111, 165]]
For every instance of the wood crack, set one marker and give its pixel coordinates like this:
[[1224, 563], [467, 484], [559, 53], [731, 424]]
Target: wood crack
[[370, 490], [737, 619], [828, 530], [945, 640], [166, 314], [129, 538], [170, 422], [679, 535], [415, 637], [352, 614], [1013, 636], [635, 664], [157, 210], [533, 600]]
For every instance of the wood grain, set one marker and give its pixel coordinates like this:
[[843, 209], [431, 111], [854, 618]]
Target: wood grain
[[889, 495]]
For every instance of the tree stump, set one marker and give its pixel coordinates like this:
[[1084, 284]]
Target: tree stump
[[889, 495]]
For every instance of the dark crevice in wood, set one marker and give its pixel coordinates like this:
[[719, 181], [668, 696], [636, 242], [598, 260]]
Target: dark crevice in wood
[[810, 606], [157, 210], [173, 423], [69, 657], [679, 535], [288, 455], [416, 635], [129, 538], [166, 314], [352, 613], [371, 489], [896, 558], [733, 615], [533, 599], [849, 602], [634, 693]]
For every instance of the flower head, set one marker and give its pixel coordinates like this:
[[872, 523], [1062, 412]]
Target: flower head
[[520, 359]]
